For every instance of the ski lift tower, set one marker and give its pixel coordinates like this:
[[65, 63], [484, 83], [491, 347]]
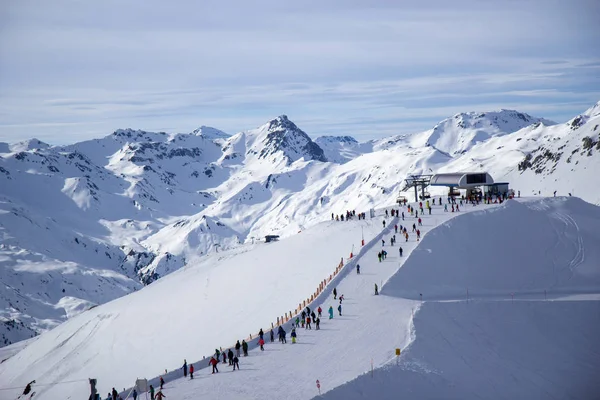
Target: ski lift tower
[[416, 181]]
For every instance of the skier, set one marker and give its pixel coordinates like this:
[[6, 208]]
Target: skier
[[317, 323], [334, 293], [330, 312], [320, 310], [134, 394], [446, 207], [245, 348], [217, 353], [160, 395], [27, 389], [162, 382], [237, 348], [213, 361], [297, 324], [358, 269], [415, 226], [402, 215], [261, 343], [184, 368], [420, 224], [379, 255], [400, 250], [341, 298], [418, 235], [283, 334], [382, 242], [236, 363], [340, 309], [308, 323], [555, 193], [261, 333], [151, 392], [376, 290], [314, 317], [272, 336], [230, 356], [114, 394], [293, 335], [396, 228], [384, 223], [192, 370], [224, 354]]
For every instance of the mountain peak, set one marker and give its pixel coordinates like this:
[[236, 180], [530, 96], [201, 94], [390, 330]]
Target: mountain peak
[[462, 131], [593, 111], [281, 137], [30, 144], [282, 122], [210, 133]]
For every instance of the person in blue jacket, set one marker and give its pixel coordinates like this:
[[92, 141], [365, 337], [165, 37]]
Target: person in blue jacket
[[340, 309], [358, 268], [293, 335]]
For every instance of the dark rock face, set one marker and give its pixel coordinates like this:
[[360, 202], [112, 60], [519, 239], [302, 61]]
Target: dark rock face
[[286, 137]]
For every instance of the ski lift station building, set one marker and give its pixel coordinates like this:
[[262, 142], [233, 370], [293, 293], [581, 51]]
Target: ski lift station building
[[469, 181]]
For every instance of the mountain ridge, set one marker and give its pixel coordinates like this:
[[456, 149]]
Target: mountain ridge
[[127, 209]]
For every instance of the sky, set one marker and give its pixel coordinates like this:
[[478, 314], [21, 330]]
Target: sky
[[79, 69]]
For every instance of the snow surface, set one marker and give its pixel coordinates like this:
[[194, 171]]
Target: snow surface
[[450, 349], [101, 218], [492, 349]]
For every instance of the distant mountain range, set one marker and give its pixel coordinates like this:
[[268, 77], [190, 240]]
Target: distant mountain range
[[85, 223]]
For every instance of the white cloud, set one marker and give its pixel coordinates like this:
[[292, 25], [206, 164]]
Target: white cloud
[[73, 69]]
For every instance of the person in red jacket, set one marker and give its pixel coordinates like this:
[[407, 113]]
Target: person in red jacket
[[213, 361], [261, 343], [191, 371], [319, 310]]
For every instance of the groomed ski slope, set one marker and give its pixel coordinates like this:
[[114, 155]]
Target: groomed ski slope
[[183, 315], [373, 326], [492, 350]]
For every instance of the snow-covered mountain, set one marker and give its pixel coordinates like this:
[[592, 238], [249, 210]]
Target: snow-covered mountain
[[89, 222], [460, 133]]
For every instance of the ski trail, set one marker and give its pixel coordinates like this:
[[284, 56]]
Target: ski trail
[[579, 257]]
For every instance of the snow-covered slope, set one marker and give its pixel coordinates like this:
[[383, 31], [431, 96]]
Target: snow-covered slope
[[243, 291], [340, 149], [501, 350], [134, 206]]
